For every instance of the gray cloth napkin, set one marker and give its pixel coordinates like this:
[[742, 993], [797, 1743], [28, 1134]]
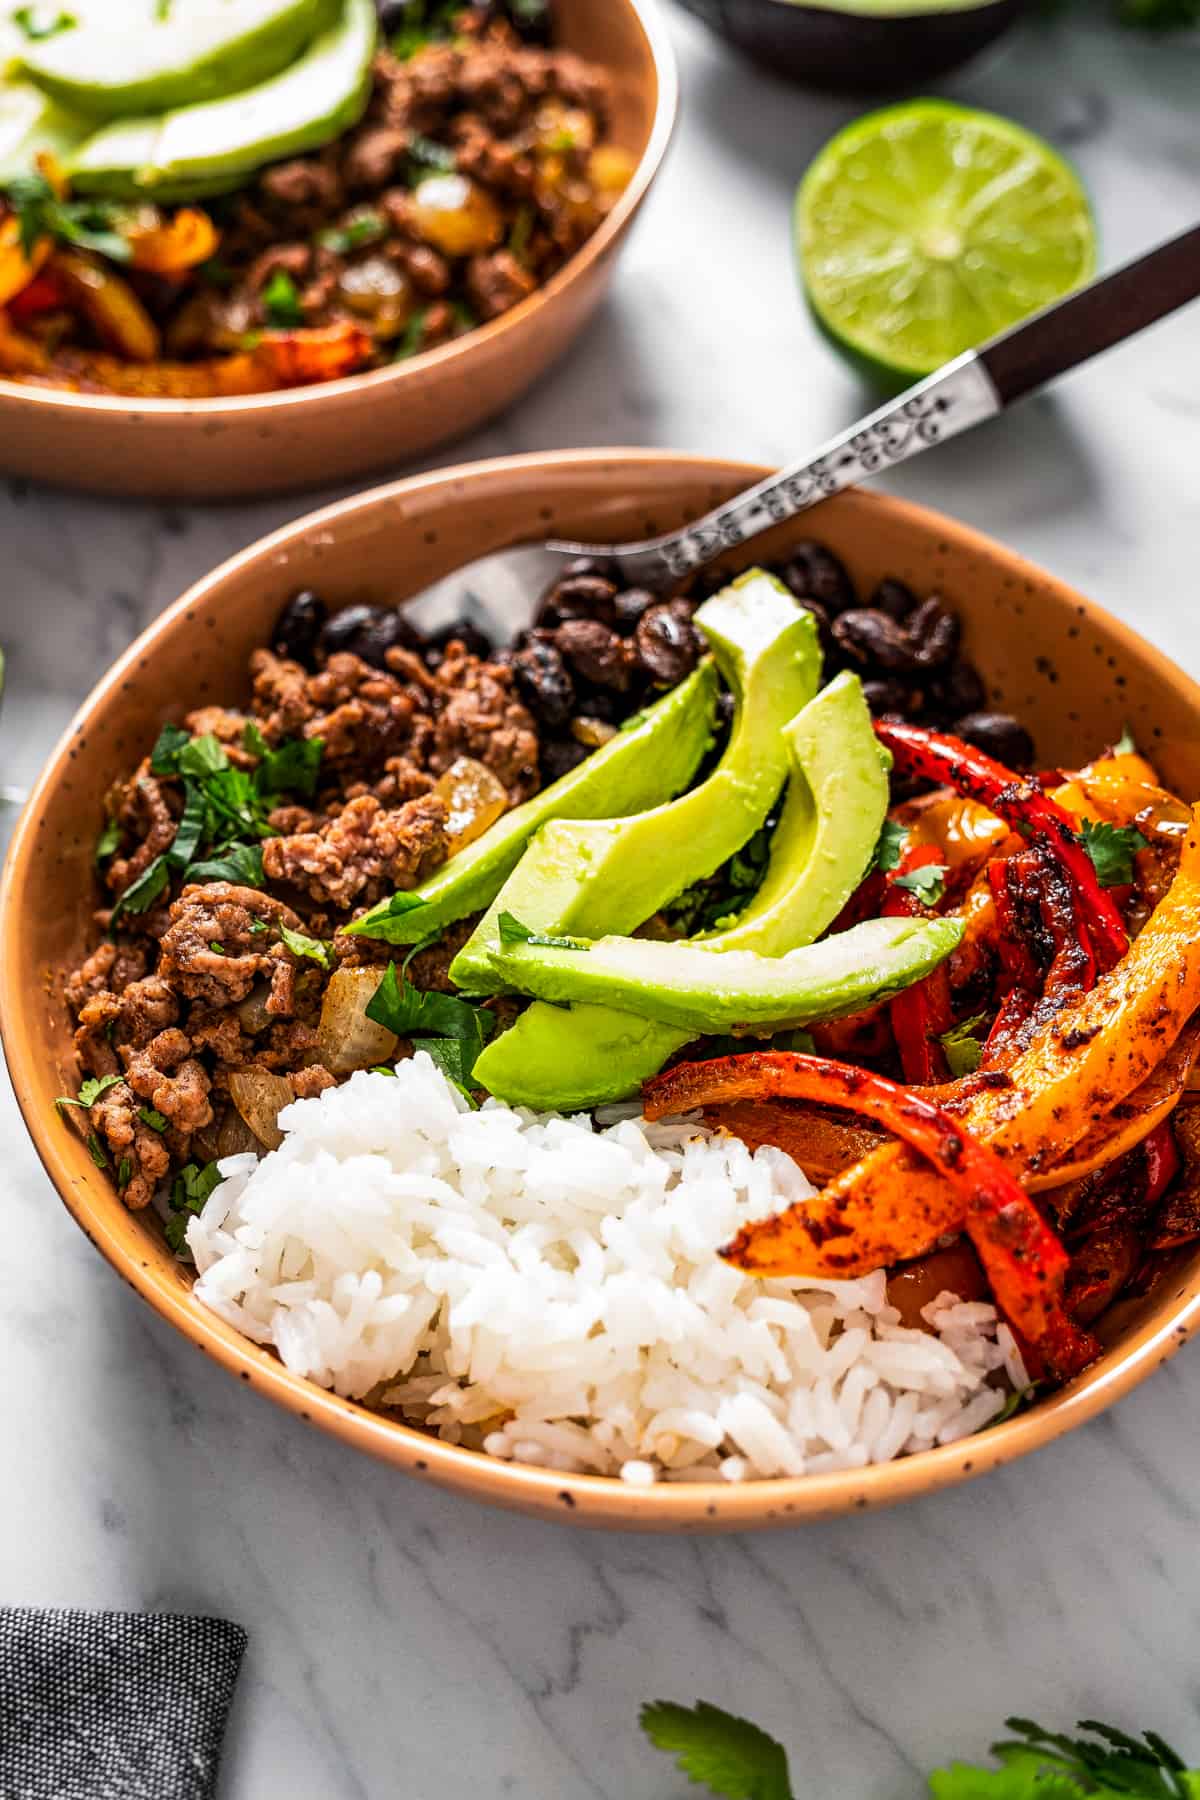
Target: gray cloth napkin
[[113, 1706]]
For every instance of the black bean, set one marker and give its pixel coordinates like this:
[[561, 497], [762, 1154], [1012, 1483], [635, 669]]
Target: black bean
[[874, 641], [601, 703], [629, 605], [959, 690], [596, 653], [667, 643], [558, 756], [299, 626], [934, 632], [579, 596], [543, 682], [894, 599], [1000, 735], [468, 634], [890, 697], [815, 573], [369, 632]]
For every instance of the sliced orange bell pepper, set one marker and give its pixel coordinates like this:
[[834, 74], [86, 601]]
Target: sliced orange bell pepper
[[172, 245], [1025, 1263], [1077, 1068]]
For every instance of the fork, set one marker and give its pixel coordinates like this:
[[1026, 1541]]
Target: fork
[[494, 588]]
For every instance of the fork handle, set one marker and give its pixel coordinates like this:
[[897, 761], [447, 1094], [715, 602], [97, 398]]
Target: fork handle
[[955, 398]]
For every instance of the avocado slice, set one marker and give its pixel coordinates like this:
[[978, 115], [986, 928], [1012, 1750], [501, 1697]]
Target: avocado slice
[[29, 123], [207, 148], [125, 57], [684, 984], [601, 875], [641, 766], [836, 803]]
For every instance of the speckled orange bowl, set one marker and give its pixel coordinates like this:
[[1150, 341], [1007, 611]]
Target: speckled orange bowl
[[273, 443], [1074, 674]]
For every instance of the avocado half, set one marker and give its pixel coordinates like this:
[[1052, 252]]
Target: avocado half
[[859, 46]]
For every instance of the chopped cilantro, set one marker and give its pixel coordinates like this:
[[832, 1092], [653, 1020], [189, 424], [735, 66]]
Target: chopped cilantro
[[291, 769], [189, 1191], [314, 948], [453, 1058], [89, 224], [216, 948], [141, 894], [124, 1172], [522, 231], [240, 863], [97, 1151], [1112, 849], [381, 1069], [38, 22], [201, 756], [164, 758], [108, 840], [365, 226], [89, 1092], [150, 1116], [513, 932], [258, 927], [715, 903], [412, 1013], [888, 849], [928, 883], [963, 1049], [280, 299], [411, 339], [424, 154]]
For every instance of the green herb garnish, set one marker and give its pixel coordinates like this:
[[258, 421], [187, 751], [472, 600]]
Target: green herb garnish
[[189, 1191], [888, 849], [108, 840], [88, 224], [96, 1151], [150, 1116], [424, 1017], [963, 1049], [719, 1751], [292, 769], [280, 298], [366, 227], [411, 339], [38, 22], [314, 948], [424, 154], [928, 883], [89, 1092], [513, 932], [1112, 849]]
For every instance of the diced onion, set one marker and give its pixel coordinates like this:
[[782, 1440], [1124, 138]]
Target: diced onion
[[260, 1097], [474, 798], [348, 1040], [252, 1013]]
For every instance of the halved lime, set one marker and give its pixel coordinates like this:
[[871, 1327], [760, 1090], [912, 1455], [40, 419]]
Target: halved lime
[[924, 229]]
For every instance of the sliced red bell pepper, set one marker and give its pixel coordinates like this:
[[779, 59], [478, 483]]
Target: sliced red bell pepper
[[1025, 1262], [938, 757], [923, 1011]]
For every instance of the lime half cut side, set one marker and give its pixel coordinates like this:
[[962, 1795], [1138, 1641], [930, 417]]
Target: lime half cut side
[[926, 228]]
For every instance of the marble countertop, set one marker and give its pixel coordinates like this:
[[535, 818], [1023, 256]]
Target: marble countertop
[[406, 1643]]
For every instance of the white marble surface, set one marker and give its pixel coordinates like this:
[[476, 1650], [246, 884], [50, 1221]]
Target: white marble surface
[[408, 1644]]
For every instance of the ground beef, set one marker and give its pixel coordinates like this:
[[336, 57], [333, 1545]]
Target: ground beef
[[362, 853], [363, 716], [139, 1151], [144, 814], [482, 717], [215, 950], [109, 969]]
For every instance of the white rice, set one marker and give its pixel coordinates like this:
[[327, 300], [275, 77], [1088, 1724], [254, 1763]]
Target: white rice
[[547, 1291]]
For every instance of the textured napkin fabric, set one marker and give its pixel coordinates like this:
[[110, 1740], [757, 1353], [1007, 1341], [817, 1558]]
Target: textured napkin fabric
[[113, 1706]]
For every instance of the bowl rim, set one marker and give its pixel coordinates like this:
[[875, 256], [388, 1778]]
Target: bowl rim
[[150, 408], [590, 1500]]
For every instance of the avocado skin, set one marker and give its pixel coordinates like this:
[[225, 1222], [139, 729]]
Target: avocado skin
[[682, 984], [636, 769], [605, 875], [836, 802], [225, 69]]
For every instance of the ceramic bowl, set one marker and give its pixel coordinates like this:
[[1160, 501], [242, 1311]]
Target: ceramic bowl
[[272, 443], [858, 50], [1074, 674]]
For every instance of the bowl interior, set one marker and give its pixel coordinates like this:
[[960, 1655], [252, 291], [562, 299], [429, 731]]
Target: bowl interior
[[1073, 674]]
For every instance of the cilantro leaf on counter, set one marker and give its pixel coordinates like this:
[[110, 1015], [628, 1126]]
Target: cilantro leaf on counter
[[1044, 1765], [719, 1751], [1112, 849], [927, 883]]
